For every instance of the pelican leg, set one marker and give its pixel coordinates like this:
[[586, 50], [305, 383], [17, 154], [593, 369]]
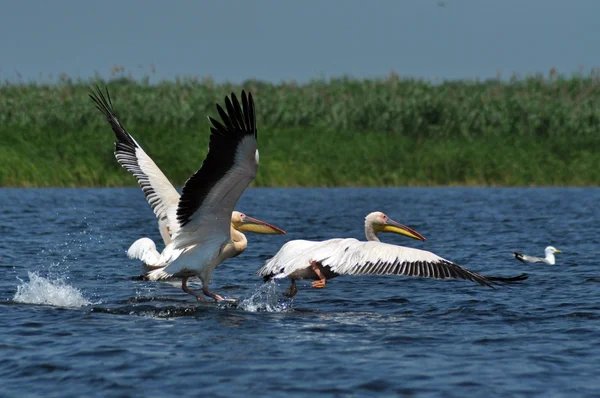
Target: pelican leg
[[186, 289], [216, 296], [320, 284], [293, 289]]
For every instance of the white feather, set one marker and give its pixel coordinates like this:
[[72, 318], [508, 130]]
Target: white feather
[[144, 249], [195, 261], [353, 257], [161, 194], [293, 256]]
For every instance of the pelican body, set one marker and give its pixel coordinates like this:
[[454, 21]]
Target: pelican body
[[144, 249], [549, 259], [197, 227], [323, 260]]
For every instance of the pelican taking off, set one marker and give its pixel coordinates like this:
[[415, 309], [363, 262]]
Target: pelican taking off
[[144, 249], [549, 259], [203, 233], [320, 261], [161, 195]]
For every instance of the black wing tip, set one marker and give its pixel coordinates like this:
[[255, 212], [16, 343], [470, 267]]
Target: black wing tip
[[519, 257], [239, 117], [104, 105], [225, 133], [103, 102], [488, 283], [463, 273], [510, 279]]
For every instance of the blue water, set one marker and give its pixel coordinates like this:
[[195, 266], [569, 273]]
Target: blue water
[[74, 323]]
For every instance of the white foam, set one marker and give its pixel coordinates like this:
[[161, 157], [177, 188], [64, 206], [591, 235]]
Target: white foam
[[264, 299], [57, 292]]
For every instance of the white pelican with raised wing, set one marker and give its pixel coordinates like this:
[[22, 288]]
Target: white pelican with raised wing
[[549, 259], [144, 249], [161, 195], [200, 225], [320, 261]]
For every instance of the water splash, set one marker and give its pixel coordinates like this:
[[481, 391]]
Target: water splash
[[57, 292], [265, 299]]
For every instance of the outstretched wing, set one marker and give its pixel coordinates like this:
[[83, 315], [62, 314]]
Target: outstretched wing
[[209, 196], [353, 257], [160, 193]]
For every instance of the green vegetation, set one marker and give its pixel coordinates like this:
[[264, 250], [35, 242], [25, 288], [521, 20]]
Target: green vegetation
[[343, 132]]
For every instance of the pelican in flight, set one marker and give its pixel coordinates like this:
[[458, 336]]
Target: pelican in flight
[[197, 227], [320, 261], [549, 259], [161, 195]]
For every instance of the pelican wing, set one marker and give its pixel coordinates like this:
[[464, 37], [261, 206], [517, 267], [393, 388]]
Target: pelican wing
[[209, 196], [159, 192], [350, 256], [293, 256], [144, 250]]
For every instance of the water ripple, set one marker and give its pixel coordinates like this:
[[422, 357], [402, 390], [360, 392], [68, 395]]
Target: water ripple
[[76, 319]]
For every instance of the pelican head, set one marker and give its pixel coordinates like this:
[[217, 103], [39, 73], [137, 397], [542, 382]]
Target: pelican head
[[242, 222], [382, 223], [551, 250]]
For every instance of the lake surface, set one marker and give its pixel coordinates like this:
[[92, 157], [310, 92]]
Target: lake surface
[[74, 323]]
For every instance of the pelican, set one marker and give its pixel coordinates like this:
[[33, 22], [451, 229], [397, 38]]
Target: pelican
[[197, 227], [549, 259], [144, 249], [161, 195], [320, 261]]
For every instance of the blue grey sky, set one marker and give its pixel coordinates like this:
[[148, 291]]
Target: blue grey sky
[[297, 40]]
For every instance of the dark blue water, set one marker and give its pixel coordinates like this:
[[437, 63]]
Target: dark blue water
[[108, 335]]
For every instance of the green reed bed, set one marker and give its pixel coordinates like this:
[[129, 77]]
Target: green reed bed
[[342, 132]]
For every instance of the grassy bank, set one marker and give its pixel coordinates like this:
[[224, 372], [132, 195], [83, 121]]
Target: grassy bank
[[537, 131]]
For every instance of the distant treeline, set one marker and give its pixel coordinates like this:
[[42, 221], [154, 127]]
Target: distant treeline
[[342, 132]]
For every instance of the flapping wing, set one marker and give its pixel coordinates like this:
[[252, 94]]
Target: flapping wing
[[354, 257], [209, 196], [159, 192]]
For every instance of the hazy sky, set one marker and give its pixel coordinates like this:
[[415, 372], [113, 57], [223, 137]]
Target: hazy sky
[[283, 39]]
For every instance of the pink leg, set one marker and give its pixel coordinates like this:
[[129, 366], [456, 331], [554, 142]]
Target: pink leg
[[320, 284], [216, 296], [186, 289], [293, 289]]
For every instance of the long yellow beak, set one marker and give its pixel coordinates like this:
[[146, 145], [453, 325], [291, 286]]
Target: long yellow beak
[[250, 224], [397, 228], [558, 251]]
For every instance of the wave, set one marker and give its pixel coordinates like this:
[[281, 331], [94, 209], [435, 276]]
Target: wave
[[57, 292]]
